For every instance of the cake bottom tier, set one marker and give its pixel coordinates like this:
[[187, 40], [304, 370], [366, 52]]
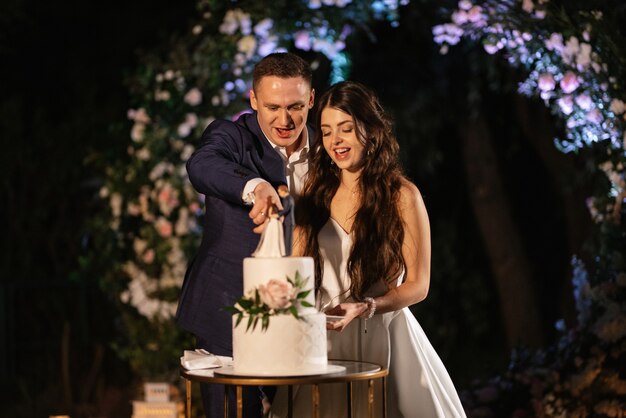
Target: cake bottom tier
[[288, 345]]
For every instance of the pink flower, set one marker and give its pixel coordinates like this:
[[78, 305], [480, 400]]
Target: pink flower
[[164, 227], [555, 42], [584, 101], [583, 59], [594, 116], [617, 106], [546, 82], [277, 294], [302, 40], [475, 14], [528, 6], [569, 82], [148, 256]]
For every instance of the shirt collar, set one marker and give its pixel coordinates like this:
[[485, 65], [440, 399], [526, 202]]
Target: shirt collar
[[304, 145]]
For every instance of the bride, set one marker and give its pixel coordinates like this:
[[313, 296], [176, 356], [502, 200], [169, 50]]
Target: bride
[[367, 228]]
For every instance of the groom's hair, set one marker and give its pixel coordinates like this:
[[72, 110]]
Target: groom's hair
[[283, 65]]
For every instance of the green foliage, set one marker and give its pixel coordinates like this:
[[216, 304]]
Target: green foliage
[[273, 298]]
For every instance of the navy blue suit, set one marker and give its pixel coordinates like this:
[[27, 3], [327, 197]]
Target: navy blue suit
[[231, 154]]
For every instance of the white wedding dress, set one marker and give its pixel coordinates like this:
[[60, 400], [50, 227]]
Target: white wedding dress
[[418, 385]]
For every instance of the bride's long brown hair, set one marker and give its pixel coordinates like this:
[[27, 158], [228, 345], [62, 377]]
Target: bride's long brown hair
[[378, 230]]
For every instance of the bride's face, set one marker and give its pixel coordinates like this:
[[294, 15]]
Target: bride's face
[[340, 139]]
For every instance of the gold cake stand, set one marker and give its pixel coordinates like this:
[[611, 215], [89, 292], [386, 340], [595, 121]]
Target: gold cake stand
[[354, 371]]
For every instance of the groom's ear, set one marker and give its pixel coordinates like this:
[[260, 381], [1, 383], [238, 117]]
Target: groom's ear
[[253, 101], [311, 99]]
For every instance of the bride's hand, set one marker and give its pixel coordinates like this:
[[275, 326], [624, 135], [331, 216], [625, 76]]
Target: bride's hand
[[349, 311]]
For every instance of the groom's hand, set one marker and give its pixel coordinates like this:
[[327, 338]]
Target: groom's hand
[[264, 196]]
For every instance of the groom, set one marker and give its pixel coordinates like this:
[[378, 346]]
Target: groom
[[238, 167]]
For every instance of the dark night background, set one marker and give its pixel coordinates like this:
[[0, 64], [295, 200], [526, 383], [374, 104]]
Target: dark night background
[[62, 83]]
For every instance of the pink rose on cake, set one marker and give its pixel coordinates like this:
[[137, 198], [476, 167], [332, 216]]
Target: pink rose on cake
[[277, 294]]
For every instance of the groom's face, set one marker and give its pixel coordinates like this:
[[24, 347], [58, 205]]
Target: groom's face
[[282, 105]]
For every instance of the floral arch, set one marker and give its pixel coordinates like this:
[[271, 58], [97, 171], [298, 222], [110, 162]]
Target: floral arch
[[150, 226]]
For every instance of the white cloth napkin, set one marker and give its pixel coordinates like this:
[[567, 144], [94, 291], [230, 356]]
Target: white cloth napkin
[[202, 359]]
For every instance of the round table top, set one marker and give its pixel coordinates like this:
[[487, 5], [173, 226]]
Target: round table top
[[354, 370]]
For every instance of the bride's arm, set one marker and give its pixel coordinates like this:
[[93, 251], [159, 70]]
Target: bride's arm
[[416, 252]]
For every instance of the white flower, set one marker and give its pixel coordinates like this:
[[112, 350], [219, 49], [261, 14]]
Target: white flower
[[262, 29], [193, 97], [182, 224], [229, 25], [115, 202], [137, 132], [196, 30], [268, 46], [133, 209], [566, 103], [247, 45], [555, 43], [277, 294], [169, 75], [159, 169], [465, 4], [104, 192], [143, 154], [571, 50], [236, 19], [162, 95], [459, 17], [187, 152], [139, 115], [139, 245], [491, 49], [583, 59], [183, 130], [315, 4]]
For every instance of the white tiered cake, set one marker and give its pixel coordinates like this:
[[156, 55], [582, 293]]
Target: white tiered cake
[[289, 345]]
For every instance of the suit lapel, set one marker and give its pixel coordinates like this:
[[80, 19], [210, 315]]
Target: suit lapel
[[271, 165]]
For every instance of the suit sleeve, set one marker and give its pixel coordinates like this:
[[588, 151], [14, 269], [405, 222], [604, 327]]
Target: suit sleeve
[[216, 168]]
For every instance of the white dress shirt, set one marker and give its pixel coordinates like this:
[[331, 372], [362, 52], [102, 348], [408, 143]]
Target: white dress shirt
[[296, 168]]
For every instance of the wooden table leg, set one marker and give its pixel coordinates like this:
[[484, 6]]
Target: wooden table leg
[[290, 401], [226, 403], [188, 397], [315, 395], [239, 401], [349, 398], [370, 398], [384, 397]]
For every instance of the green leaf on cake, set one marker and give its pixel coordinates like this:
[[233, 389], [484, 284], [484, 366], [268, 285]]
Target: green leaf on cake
[[256, 309]]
